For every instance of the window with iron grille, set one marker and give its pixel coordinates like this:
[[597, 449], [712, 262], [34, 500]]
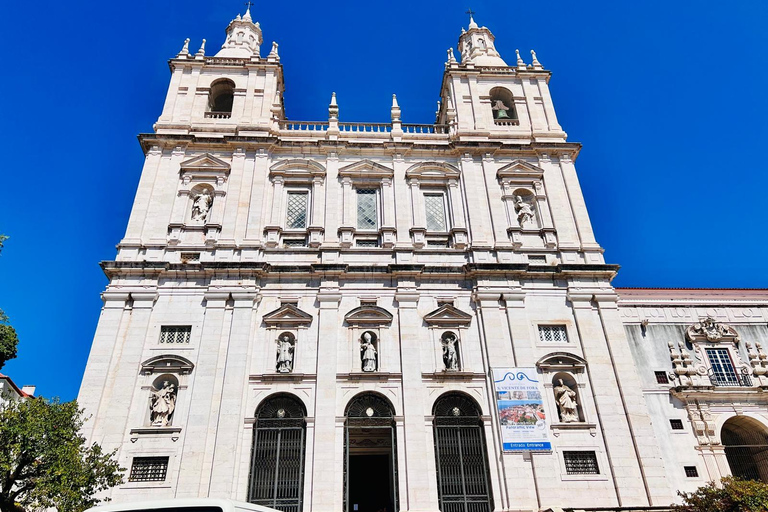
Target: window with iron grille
[[367, 243], [434, 205], [553, 333], [148, 469], [691, 471], [175, 333], [367, 209], [581, 463], [296, 210], [676, 424], [661, 377], [295, 242]]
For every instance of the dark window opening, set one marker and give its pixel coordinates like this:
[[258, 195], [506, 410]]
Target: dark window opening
[[691, 471], [581, 463], [661, 377], [148, 469], [676, 424]]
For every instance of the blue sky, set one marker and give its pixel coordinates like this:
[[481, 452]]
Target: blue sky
[[668, 98]]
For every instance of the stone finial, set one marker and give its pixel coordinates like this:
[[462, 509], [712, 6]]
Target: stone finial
[[451, 57], [247, 15], [201, 51], [395, 110], [273, 53], [333, 109], [185, 48], [520, 63], [536, 63]]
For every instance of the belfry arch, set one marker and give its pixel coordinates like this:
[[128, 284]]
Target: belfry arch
[[746, 447]]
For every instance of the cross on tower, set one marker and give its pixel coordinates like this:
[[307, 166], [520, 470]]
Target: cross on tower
[[470, 12], [248, 5]]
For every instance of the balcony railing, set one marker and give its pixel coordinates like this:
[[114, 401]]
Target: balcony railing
[[740, 378], [218, 115]]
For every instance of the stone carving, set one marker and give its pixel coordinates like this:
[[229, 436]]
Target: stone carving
[[185, 48], [451, 58], [450, 351], [162, 403], [566, 402], [524, 210], [201, 206], [368, 352], [285, 353], [710, 329]]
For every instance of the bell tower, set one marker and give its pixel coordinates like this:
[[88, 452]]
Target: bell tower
[[243, 38], [483, 96]]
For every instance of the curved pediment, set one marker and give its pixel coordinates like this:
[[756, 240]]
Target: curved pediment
[[297, 168], [167, 363], [520, 169], [287, 316], [369, 316], [448, 316], [433, 171], [561, 361], [366, 169]]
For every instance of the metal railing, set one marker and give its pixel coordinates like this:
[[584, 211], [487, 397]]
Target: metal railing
[[740, 378]]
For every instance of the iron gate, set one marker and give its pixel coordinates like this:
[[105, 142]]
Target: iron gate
[[462, 463], [746, 451], [277, 457]]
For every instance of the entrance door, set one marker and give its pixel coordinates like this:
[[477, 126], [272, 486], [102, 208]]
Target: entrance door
[[370, 464]]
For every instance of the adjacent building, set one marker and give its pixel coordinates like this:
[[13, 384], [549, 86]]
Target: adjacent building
[[333, 316]]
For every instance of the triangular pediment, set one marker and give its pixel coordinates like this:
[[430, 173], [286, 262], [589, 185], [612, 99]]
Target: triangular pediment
[[448, 316], [366, 169], [520, 169], [369, 316], [287, 315], [205, 162], [433, 171]]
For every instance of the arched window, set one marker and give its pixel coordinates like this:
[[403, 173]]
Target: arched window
[[220, 98], [503, 107], [463, 480], [277, 457], [370, 455], [746, 448]]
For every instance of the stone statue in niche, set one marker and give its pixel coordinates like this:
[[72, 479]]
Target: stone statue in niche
[[285, 353], [566, 402], [450, 352], [162, 403], [524, 211], [201, 206], [368, 352]]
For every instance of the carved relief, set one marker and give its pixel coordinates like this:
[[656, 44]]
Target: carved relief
[[710, 329]]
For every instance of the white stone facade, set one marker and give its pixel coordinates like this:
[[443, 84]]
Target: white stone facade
[[246, 226]]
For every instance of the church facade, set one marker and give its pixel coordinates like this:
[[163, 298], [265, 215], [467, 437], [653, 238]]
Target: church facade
[[359, 317]]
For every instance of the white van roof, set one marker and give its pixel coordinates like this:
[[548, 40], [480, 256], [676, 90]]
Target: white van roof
[[224, 504]]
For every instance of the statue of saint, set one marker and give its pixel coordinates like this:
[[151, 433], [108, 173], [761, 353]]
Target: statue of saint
[[368, 353], [524, 211], [162, 403], [566, 402], [450, 353], [284, 354], [202, 205]]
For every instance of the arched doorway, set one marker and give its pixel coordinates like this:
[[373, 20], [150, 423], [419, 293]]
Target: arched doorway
[[370, 455], [463, 480], [277, 456], [746, 448]]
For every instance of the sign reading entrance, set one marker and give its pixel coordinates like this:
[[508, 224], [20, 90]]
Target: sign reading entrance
[[521, 412]]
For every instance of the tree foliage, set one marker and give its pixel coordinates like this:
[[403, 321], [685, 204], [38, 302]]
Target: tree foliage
[[8, 338], [732, 495], [44, 461]]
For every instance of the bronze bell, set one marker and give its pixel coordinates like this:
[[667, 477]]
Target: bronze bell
[[501, 114]]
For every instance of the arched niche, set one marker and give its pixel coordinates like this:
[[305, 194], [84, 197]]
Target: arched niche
[[503, 106], [746, 447], [221, 96], [375, 321]]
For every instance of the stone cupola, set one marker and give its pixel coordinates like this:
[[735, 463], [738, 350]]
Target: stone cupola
[[243, 38], [476, 46]]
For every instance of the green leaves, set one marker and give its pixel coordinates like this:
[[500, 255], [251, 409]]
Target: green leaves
[[732, 495], [8, 342], [44, 461]]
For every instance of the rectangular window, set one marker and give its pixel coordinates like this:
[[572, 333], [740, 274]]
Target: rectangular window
[[174, 334], [581, 463], [296, 210], [148, 469], [723, 372], [367, 209], [691, 471], [295, 242], [676, 424], [434, 205], [661, 377], [553, 334]]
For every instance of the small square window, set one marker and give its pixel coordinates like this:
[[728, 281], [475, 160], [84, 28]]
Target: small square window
[[537, 259], [691, 471], [294, 242], [661, 377], [553, 334], [190, 257], [174, 334], [676, 424], [148, 469], [367, 243], [581, 463]]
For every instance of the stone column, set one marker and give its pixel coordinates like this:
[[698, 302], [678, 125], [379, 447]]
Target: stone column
[[474, 191], [143, 195], [258, 202], [538, 123], [577, 204], [173, 94], [275, 217], [229, 204], [348, 195], [332, 221], [549, 108]]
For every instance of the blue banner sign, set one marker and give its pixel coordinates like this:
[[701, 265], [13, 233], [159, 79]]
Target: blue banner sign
[[521, 410]]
